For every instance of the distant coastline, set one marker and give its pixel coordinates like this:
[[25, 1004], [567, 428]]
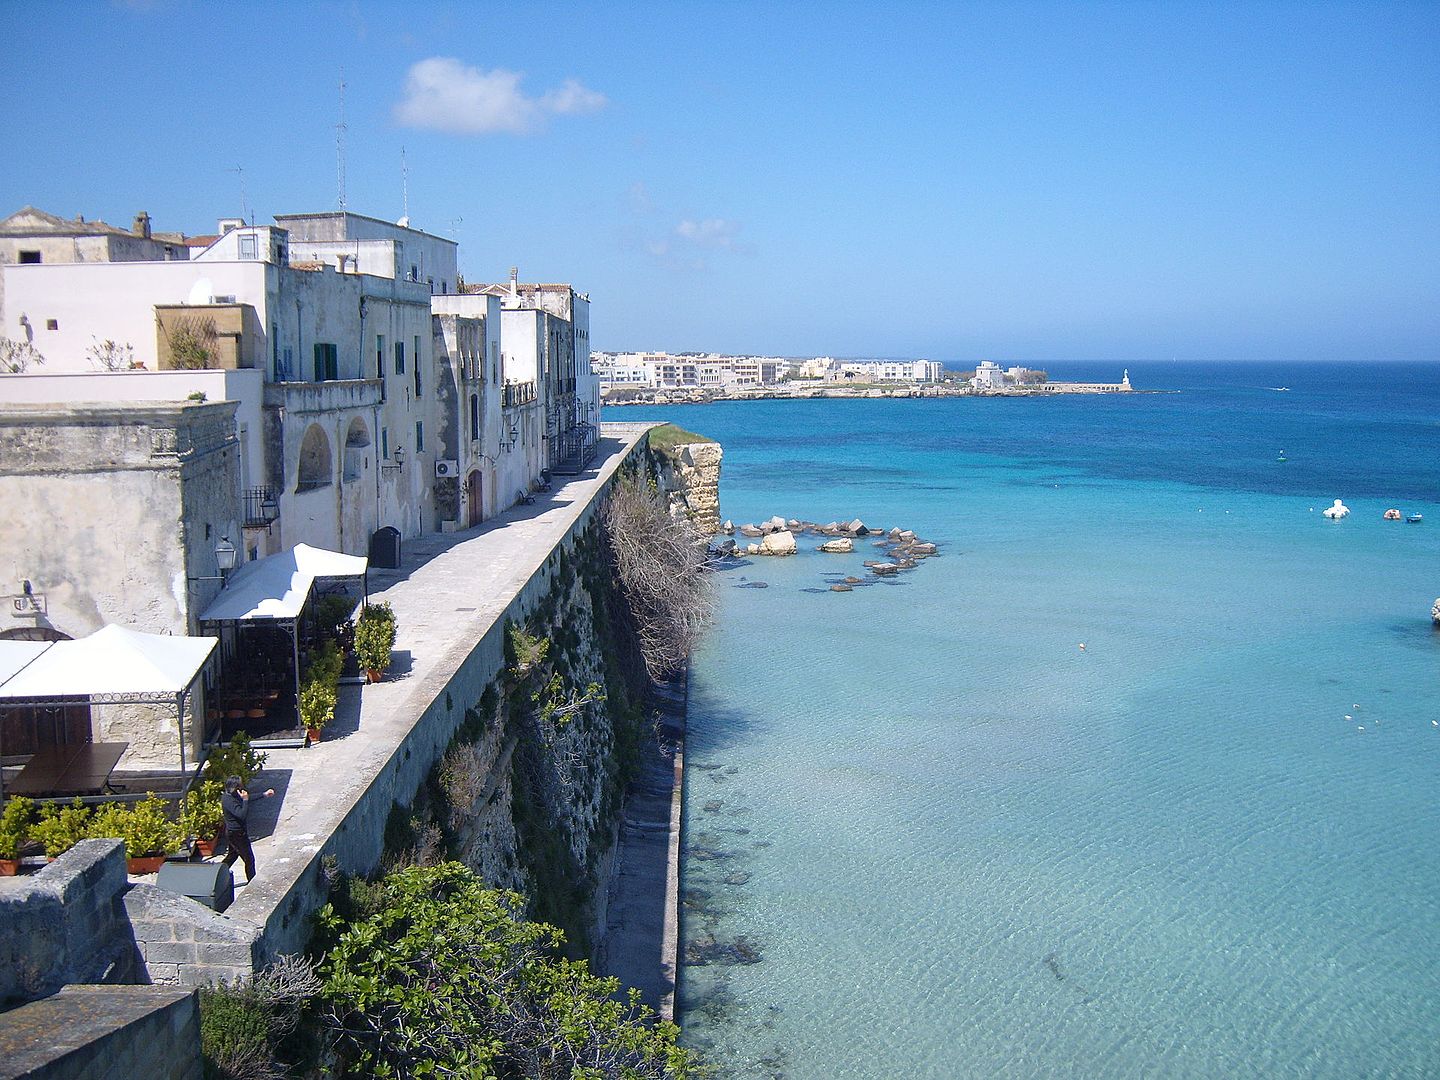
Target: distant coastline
[[685, 395]]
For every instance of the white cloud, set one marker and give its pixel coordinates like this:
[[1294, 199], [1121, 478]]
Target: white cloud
[[443, 94], [709, 232]]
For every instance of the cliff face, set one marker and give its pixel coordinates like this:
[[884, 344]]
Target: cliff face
[[692, 476]]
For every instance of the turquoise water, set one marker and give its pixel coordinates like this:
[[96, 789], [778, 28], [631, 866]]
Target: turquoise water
[[955, 844]]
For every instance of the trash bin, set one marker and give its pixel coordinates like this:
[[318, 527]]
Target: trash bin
[[385, 548], [210, 884]]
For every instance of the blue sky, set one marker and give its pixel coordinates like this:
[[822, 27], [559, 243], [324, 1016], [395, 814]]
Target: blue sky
[[1019, 181]]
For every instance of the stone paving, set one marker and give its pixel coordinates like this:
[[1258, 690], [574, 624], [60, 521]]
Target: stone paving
[[449, 591]]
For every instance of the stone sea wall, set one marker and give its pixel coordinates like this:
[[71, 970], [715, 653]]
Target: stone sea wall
[[692, 477]]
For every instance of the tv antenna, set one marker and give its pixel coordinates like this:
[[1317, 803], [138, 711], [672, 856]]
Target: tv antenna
[[340, 129], [454, 224], [245, 212], [404, 189]]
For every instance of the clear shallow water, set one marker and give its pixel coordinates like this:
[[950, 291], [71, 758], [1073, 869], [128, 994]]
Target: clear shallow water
[[973, 849]]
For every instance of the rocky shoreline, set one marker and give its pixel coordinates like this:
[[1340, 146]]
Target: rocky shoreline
[[776, 536]]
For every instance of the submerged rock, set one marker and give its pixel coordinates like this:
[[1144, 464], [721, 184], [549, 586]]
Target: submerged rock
[[842, 588], [753, 584], [740, 877], [750, 530]]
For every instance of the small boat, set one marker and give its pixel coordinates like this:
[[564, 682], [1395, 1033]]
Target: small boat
[[1415, 519], [1280, 389], [1336, 512], [1282, 456]]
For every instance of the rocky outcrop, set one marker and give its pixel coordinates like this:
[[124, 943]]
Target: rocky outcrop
[[778, 543], [692, 476], [843, 546], [1435, 611]]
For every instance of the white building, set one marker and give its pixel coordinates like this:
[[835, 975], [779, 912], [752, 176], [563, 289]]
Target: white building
[[988, 376]]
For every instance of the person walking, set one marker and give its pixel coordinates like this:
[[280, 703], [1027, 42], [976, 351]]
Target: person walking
[[235, 805]]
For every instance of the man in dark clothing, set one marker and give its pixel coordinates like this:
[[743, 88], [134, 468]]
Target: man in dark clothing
[[235, 804]]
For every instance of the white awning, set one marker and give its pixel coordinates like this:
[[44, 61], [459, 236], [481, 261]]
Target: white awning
[[15, 655], [113, 660], [276, 587]]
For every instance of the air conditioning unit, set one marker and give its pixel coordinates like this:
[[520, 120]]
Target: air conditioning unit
[[447, 468]]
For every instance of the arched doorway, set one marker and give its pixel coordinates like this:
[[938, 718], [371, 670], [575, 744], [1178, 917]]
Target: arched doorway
[[475, 497]]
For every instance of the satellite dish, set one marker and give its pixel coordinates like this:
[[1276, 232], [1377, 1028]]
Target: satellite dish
[[201, 292]]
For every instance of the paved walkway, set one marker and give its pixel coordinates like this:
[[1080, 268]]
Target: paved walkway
[[448, 593]]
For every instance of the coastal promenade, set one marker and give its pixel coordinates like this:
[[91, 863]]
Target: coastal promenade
[[451, 595]]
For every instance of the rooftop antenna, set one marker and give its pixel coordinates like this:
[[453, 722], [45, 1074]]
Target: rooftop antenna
[[245, 211], [455, 223], [340, 130], [404, 189]]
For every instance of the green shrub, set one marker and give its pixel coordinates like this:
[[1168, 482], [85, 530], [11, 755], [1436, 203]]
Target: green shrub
[[235, 1035], [237, 759], [200, 812], [15, 825], [320, 689], [375, 636], [61, 827], [144, 826], [447, 979]]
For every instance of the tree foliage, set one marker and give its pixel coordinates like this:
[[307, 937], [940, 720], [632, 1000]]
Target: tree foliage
[[442, 977]]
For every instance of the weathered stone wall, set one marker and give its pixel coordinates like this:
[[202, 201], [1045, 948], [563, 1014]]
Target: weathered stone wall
[[65, 924], [104, 1033], [181, 943], [692, 476]]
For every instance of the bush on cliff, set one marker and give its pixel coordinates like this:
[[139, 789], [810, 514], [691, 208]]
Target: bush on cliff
[[668, 437], [443, 977], [660, 562]]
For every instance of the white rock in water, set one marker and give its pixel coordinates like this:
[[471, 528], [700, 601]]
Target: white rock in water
[[1336, 512], [857, 527], [777, 521], [1435, 611], [752, 549], [778, 543], [728, 528], [842, 546]]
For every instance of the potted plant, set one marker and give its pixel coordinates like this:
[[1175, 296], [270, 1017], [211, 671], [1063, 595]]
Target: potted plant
[[147, 831], [201, 816], [374, 639], [14, 833], [332, 618], [61, 827], [320, 691], [236, 759]]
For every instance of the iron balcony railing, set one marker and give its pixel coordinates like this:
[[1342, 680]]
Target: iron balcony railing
[[262, 507]]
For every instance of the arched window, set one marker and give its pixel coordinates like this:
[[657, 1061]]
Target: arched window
[[316, 470], [474, 416]]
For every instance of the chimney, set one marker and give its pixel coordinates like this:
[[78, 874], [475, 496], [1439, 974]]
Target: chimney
[[514, 281], [142, 225]]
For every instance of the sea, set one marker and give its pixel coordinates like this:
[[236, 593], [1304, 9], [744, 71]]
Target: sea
[[1138, 777]]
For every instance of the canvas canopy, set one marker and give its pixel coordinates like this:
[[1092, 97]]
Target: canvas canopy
[[276, 587], [111, 662]]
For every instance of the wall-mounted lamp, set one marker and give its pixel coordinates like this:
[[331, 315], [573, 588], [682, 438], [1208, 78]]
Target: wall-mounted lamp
[[225, 558], [508, 443], [396, 462]]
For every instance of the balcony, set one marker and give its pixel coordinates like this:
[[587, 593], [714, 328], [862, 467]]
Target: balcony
[[262, 507], [324, 397], [518, 393]]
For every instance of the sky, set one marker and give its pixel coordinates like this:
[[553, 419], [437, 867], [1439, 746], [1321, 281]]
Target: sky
[[1009, 181]]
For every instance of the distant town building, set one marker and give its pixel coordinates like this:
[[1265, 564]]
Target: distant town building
[[666, 371]]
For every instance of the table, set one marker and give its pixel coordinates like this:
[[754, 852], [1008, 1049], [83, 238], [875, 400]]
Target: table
[[75, 769]]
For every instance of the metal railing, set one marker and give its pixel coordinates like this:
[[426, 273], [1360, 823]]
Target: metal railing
[[518, 393], [262, 507]]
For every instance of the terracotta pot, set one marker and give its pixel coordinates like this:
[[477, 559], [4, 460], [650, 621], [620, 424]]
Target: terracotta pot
[[9, 867], [313, 734], [147, 864], [374, 674]]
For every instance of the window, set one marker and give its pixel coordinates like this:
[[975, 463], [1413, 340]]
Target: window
[[379, 356], [385, 443], [419, 436], [417, 373], [474, 416], [52, 324], [327, 361], [399, 358], [247, 247], [30, 257]]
